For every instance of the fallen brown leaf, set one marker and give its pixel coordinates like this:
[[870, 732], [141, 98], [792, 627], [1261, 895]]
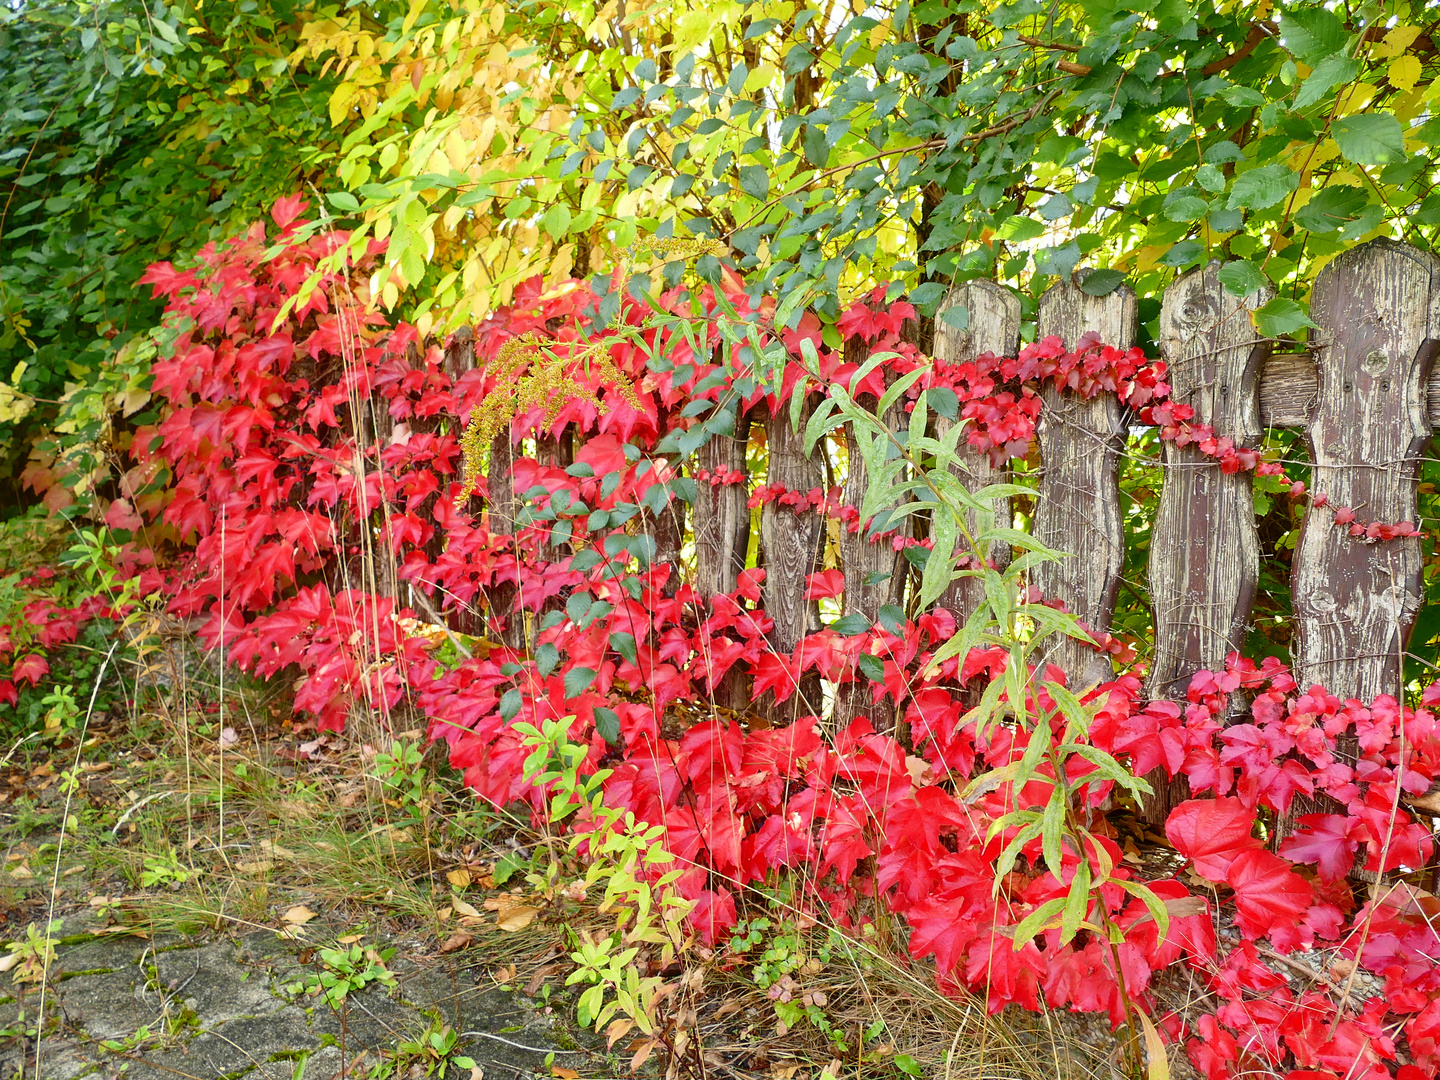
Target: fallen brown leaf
[[517, 917], [457, 941], [298, 915], [460, 879]]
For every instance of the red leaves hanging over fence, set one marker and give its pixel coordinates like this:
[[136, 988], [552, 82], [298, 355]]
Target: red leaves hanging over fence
[[284, 477]]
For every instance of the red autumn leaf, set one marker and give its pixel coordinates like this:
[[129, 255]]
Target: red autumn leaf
[[1326, 840], [825, 583], [750, 582], [1267, 892], [603, 453], [1211, 833], [30, 668]]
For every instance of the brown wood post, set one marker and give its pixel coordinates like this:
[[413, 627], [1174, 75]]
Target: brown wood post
[[994, 327], [1204, 549], [502, 508], [1078, 508], [721, 525], [1378, 312], [874, 572], [794, 549]]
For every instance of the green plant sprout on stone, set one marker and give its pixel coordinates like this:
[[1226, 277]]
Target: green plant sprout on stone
[[31, 958], [164, 869], [348, 968]]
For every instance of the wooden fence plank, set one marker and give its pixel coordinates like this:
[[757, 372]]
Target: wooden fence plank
[[994, 327], [793, 548], [502, 507], [1378, 311], [1204, 549], [721, 526], [1078, 507], [874, 572]]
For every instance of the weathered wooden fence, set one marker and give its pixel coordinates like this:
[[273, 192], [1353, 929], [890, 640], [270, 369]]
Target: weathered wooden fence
[[1363, 393]]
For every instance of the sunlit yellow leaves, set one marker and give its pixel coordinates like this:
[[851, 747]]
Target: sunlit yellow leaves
[[1404, 72], [1396, 41]]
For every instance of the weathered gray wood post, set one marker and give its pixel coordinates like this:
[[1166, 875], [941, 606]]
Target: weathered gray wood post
[[1078, 508], [994, 327], [794, 548], [721, 524], [1378, 312], [1204, 548], [874, 572]]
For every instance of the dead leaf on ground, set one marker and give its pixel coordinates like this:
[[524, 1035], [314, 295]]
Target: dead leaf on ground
[[259, 866], [457, 941], [465, 911], [728, 1008], [298, 915], [538, 979], [505, 974], [8, 962], [642, 1049], [460, 879], [517, 917], [564, 1073]]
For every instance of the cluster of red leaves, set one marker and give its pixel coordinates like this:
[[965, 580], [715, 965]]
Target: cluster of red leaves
[[272, 490]]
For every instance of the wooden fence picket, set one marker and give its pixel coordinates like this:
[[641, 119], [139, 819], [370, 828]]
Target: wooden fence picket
[[720, 523], [793, 549], [993, 327], [1204, 547], [1078, 506], [1378, 312], [874, 572]]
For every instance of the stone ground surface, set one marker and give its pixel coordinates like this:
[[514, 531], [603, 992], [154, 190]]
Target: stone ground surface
[[180, 1008]]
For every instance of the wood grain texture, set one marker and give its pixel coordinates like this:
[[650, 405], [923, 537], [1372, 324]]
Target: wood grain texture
[[1204, 548], [994, 327], [1078, 508], [793, 549], [505, 622], [1290, 389], [874, 571], [1378, 311], [721, 525]]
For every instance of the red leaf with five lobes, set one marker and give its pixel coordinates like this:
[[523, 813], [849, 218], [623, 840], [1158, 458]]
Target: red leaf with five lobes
[[1323, 839], [823, 584], [603, 453], [1211, 833], [31, 669], [288, 209], [1267, 892]]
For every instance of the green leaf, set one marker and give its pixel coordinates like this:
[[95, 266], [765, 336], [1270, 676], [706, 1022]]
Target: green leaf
[[1312, 32], [1182, 206], [607, 723], [578, 680], [624, 644], [755, 181], [343, 200], [1241, 278], [1331, 207], [850, 625], [1330, 72], [1263, 187], [1101, 282], [1280, 316], [1370, 138]]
